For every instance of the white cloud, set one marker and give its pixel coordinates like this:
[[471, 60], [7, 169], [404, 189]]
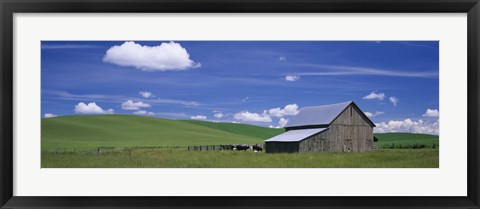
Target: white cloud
[[337, 70], [369, 114], [394, 100], [292, 77], [375, 95], [49, 115], [409, 126], [91, 108], [164, 57], [245, 99], [143, 112], [199, 117], [282, 58], [282, 122], [146, 94], [130, 105], [114, 98], [431, 113], [290, 109], [253, 117], [218, 115]]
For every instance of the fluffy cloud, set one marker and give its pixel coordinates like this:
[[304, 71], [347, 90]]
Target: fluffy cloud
[[369, 114], [143, 112], [49, 115], [292, 77], [431, 113], [253, 117], [130, 105], [91, 108], [146, 94], [218, 115], [282, 58], [290, 109], [408, 125], [394, 100], [375, 95], [282, 122], [199, 117], [164, 57]]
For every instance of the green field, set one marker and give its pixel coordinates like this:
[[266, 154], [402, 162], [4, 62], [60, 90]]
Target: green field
[[405, 139], [181, 158], [83, 133], [71, 142]]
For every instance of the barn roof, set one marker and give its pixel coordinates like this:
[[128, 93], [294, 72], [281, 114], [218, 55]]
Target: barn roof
[[321, 115], [296, 135]]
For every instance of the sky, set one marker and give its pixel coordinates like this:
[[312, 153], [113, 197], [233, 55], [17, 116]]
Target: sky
[[265, 83]]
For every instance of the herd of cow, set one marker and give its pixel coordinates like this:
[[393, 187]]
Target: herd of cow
[[255, 147]]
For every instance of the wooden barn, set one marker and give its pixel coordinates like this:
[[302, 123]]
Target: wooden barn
[[341, 127]]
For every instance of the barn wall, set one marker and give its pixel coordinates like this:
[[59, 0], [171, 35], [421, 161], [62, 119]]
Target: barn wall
[[317, 143], [281, 147], [350, 132]]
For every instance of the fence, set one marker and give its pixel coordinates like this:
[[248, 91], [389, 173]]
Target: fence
[[99, 150], [220, 147], [409, 146]]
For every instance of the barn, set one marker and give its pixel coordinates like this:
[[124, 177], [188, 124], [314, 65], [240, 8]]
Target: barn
[[341, 127]]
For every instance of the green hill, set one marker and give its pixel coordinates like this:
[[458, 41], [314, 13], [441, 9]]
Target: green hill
[[387, 139], [90, 131], [240, 129]]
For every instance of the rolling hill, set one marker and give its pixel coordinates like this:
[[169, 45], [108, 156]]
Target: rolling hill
[[86, 132]]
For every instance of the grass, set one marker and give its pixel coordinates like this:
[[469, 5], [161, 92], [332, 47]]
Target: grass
[[180, 158], [88, 132], [241, 129], [405, 139], [71, 142]]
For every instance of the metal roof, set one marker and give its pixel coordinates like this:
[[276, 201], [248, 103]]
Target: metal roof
[[317, 115], [295, 135]]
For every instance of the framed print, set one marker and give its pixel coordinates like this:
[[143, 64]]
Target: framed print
[[263, 104]]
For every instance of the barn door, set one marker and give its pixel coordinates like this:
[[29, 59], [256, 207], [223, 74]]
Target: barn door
[[347, 146]]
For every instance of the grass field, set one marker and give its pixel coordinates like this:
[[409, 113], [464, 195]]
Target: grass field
[[405, 139], [88, 132], [71, 142], [180, 158]]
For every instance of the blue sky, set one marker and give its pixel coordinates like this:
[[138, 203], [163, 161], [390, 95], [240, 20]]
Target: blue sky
[[256, 82]]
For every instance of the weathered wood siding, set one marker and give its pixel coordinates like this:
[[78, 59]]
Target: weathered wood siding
[[349, 132], [281, 147], [317, 143]]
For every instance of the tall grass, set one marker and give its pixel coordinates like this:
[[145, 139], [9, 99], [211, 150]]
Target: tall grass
[[180, 158]]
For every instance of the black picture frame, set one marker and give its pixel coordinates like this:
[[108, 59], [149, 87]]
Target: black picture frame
[[10, 7]]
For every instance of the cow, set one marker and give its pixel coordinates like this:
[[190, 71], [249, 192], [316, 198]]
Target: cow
[[257, 148], [242, 147]]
